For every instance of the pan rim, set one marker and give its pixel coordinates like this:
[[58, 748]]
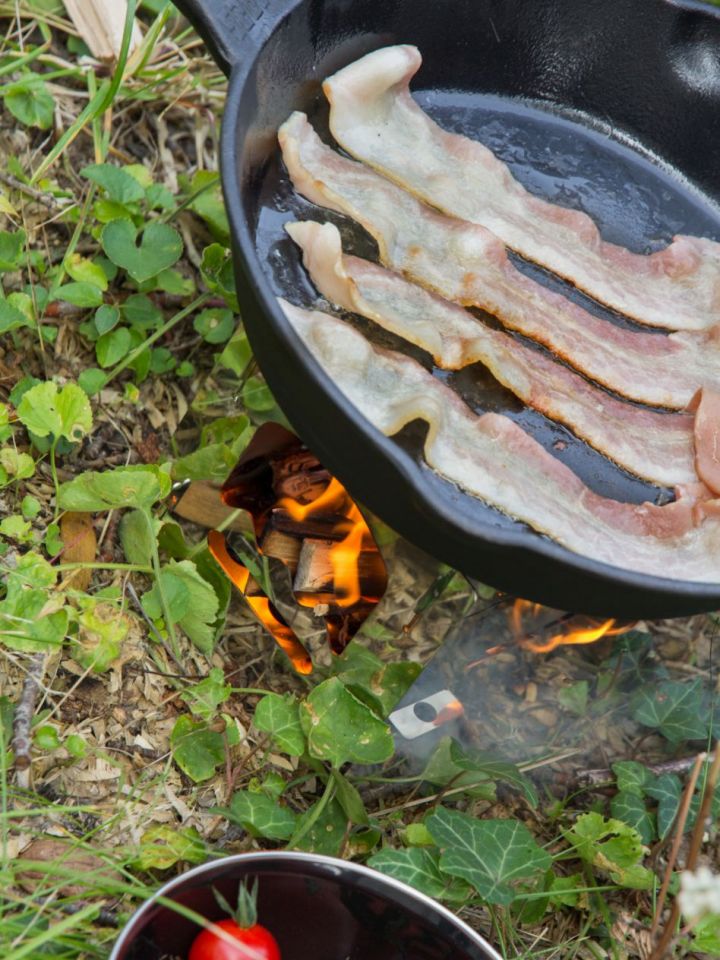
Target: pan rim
[[705, 593]]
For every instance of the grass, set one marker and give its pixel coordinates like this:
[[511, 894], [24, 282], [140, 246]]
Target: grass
[[162, 739]]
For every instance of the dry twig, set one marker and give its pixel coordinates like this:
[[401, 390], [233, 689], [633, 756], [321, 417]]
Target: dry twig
[[24, 712]]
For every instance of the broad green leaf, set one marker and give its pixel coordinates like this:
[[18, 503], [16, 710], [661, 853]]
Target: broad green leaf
[[92, 380], [27, 621], [210, 463], [441, 769], [217, 271], [632, 777], [15, 527], [86, 271], [80, 294], [341, 729], [160, 247], [196, 749], [136, 537], [215, 325], [18, 466], [237, 354], [176, 598], [261, 816], [612, 847], [574, 697], [667, 790], [193, 602], [420, 868], [328, 832], [11, 318], [494, 768], [256, 395], [101, 631], [136, 486], [65, 413], [30, 101], [120, 186], [113, 347], [387, 683], [491, 855], [205, 697], [676, 709], [349, 799], [706, 936], [161, 847], [106, 319], [629, 806], [280, 717], [12, 246], [209, 204], [141, 312]]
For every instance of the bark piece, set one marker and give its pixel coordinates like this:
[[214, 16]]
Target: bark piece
[[101, 23]]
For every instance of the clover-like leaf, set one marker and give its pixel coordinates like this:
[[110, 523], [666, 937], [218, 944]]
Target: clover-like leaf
[[491, 855], [65, 413], [29, 100], [261, 815], [136, 486], [280, 717], [420, 868], [205, 697], [613, 847], [192, 601], [677, 709], [120, 186], [340, 728], [160, 247]]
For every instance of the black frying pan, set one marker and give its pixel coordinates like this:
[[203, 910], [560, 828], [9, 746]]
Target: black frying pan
[[613, 106]]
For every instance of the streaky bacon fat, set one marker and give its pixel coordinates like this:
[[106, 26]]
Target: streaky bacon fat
[[468, 264], [493, 459], [374, 117], [653, 445]]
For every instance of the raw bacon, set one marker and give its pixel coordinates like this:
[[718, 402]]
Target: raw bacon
[[374, 117], [657, 446], [493, 459], [468, 264]]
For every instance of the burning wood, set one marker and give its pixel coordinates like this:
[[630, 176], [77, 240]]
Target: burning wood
[[305, 518]]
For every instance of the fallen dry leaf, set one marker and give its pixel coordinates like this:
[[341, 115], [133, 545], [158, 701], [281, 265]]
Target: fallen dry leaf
[[78, 536], [65, 853]]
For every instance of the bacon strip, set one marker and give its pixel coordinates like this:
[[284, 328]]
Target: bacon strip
[[657, 446], [468, 264], [493, 459], [374, 117]]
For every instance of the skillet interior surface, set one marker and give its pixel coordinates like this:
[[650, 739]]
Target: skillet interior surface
[[556, 90]]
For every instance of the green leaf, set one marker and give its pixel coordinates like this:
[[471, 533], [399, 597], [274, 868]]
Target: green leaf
[[120, 186], [101, 631], [12, 246], [136, 486], [261, 816], [280, 717], [216, 268], [420, 868], [612, 847], [677, 709], [328, 832], [256, 395], [441, 769], [46, 737], [160, 247], [574, 697], [63, 413], [632, 777], [18, 466], [491, 855], [205, 697], [80, 294], [161, 847], [11, 318], [85, 271], [341, 729], [349, 799], [193, 602], [667, 790], [629, 806], [106, 318], [494, 768], [136, 537], [25, 621], [30, 101], [209, 204], [113, 347], [196, 749], [215, 325], [706, 936], [92, 380], [237, 354], [211, 463], [141, 312]]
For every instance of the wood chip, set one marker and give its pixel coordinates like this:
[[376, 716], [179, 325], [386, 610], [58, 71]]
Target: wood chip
[[101, 24]]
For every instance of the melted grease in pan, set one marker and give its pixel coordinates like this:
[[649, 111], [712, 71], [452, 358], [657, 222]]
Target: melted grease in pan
[[634, 201]]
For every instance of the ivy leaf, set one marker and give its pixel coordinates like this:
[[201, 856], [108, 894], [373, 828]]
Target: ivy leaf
[[677, 709], [160, 247], [612, 847], [348, 796], [441, 769], [574, 697], [491, 855], [63, 413], [161, 847], [120, 186], [493, 768], [327, 834], [136, 486], [196, 749], [205, 697], [629, 807], [632, 777], [341, 729], [667, 790], [280, 717], [420, 868], [261, 815], [30, 101]]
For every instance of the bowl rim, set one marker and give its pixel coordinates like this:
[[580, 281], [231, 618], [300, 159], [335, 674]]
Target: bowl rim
[[328, 863]]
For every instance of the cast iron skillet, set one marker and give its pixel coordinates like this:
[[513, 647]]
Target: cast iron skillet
[[613, 106]]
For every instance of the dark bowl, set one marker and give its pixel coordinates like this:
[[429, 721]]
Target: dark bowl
[[318, 908]]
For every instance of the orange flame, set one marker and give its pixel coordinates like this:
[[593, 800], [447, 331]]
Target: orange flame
[[260, 605], [450, 712], [574, 636], [344, 556]]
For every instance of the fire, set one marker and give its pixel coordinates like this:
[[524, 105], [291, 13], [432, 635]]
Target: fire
[[344, 555], [575, 635]]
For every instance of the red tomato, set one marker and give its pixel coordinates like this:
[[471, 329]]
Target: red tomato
[[260, 943]]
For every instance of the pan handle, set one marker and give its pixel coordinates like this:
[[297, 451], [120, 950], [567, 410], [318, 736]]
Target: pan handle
[[227, 25]]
